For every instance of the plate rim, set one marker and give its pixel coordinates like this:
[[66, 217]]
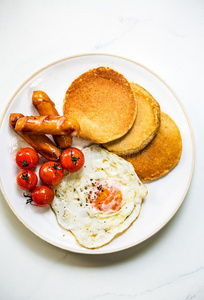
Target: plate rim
[[100, 250]]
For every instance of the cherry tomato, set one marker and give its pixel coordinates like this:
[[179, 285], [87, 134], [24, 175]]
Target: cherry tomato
[[27, 180], [27, 158], [51, 173], [42, 195], [72, 159]]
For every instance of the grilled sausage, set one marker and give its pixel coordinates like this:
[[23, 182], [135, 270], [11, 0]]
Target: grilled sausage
[[41, 143], [46, 107], [54, 125]]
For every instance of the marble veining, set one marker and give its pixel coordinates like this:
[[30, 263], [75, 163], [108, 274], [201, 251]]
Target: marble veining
[[167, 37], [151, 291], [128, 25]]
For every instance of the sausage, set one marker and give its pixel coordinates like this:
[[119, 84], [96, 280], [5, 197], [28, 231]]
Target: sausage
[[55, 125], [44, 104], [14, 118], [46, 107], [41, 143]]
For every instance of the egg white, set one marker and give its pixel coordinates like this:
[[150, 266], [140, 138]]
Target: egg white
[[91, 227]]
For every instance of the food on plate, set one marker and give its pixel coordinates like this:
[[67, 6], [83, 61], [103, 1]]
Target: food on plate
[[27, 180], [72, 159], [27, 158], [42, 195], [144, 128], [101, 200], [100, 194], [55, 125], [51, 173], [103, 102], [162, 154], [41, 143], [46, 107]]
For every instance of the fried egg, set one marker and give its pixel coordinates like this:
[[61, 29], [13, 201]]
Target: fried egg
[[101, 200]]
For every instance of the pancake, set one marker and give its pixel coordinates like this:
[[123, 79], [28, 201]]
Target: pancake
[[103, 103], [162, 154], [144, 128]]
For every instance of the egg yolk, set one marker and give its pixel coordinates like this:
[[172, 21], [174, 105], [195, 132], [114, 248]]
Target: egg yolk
[[106, 198]]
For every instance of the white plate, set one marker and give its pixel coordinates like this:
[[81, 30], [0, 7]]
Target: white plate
[[165, 195]]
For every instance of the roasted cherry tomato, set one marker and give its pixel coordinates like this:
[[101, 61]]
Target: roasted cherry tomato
[[27, 158], [27, 180], [51, 173], [42, 195], [72, 159]]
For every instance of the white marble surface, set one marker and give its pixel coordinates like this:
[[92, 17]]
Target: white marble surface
[[167, 37]]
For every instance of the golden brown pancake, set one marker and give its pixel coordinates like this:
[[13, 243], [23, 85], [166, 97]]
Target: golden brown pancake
[[144, 128], [162, 154], [103, 102]]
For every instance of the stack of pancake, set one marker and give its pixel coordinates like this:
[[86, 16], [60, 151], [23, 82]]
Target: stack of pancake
[[125, 119]]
